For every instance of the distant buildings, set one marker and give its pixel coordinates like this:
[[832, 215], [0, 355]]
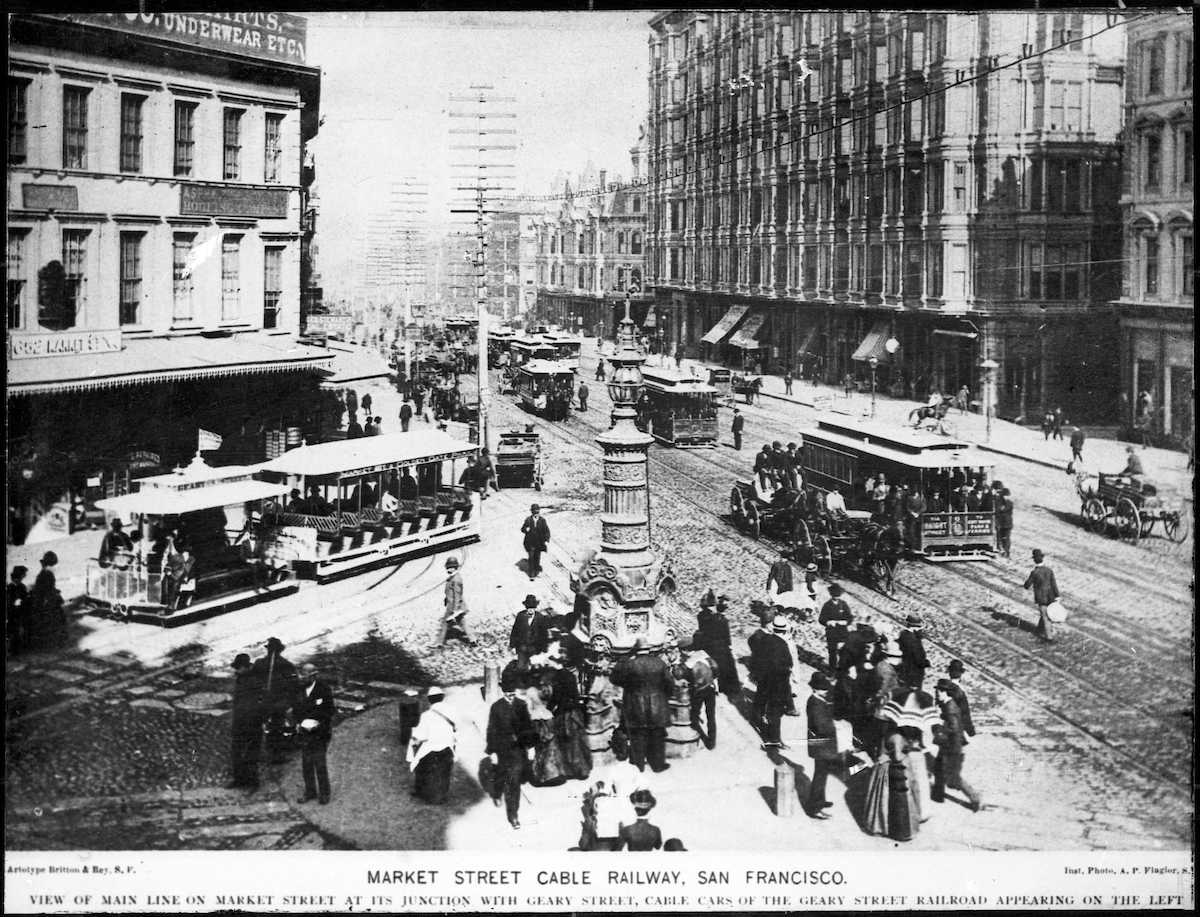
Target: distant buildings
[[159, 227], [1157, 353], [591, 252], [822, 184]]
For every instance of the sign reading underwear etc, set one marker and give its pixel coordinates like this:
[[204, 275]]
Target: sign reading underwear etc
[[277, 37], [268, 203]]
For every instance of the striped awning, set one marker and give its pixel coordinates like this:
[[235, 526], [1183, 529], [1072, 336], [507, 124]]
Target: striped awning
[[744, 339], [165, 359], [873, 344], [717, 332]]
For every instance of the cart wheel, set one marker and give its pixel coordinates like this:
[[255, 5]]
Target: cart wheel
[[537, 473], [1128, 521], [822, 554], [121, 611], [753, 521], [737, 507], [1094, 514], [1176, 525]]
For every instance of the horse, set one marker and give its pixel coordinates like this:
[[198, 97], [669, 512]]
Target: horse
[[928, 412], [1087, 484]]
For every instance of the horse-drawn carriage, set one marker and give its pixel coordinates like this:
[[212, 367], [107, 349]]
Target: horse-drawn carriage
[[846, 542], [749, 387], [519, 459], [1131, 508]]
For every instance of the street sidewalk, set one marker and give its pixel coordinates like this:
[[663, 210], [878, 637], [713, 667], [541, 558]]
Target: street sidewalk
[[1165, 467]]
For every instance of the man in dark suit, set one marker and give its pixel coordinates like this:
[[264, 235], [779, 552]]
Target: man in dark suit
[[246, 729], [822, 744], [836, 617], [641, 835], [647, 683], [313, 712], [914, 660], [780, 574], [530, 633], [714, 638], [739, 424], [955, 691], [509, 734], [773, 668], [1045, 591], [537, 536], [951, 741], [280, 683]]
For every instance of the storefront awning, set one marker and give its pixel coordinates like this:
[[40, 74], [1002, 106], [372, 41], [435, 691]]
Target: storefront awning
[[873, 344], [354, 364], [744, 338], [164, 359], [717, 333], [809, 337]]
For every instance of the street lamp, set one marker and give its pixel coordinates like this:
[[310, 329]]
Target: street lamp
[[874, 361], [989, 367]]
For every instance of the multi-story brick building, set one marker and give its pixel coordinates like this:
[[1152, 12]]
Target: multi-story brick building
[[823, 184], [591, 251], [1159, 285], [158, 221]]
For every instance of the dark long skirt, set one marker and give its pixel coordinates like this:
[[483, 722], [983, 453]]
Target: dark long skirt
[[548, 759], [571, 728], [431, 779]]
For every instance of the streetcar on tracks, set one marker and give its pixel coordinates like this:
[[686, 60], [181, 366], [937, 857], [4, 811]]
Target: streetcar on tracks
[[526, 347], [848, 453], [194, 551], [1130, 508], [681, 409], [519, 459], [545, 387], [566, 347], [367, 502], [499, 342]]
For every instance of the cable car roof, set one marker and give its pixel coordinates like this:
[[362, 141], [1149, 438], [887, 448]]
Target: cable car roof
[[667, 381], [368, 454], [162, 502], [548, 368]]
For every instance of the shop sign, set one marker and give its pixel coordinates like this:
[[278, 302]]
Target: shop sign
[[272, 36], [50, 197], [140, 460], [62, 344], [327, 323], [823, 403], [267, 203]]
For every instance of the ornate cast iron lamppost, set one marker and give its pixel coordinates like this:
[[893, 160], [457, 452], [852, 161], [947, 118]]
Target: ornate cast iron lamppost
[[626, 577]]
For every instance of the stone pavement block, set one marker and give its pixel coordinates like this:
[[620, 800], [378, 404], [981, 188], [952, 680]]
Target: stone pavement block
[[204, 699], [310, 841], [64, 675], [261, 842], [151, 703], [141, 689], [242, 829]]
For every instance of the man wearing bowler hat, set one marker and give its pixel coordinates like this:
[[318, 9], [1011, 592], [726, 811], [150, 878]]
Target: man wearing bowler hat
[[509, 733], [822, 744], [279, 682], [647, 683], [951, 742], [914, 660], [530, 633], [537, 537], [955, 690], [836, 617], [1045, 591], [455, 613], [314, 710]]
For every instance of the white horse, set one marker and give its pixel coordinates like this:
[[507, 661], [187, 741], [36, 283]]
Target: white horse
[[1087, 484]]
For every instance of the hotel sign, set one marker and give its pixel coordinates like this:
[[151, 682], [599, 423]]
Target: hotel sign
[[62, 344], [276, 37], [210, 200]]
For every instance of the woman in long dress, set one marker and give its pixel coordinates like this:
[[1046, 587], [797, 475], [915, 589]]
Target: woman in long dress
[[548, 760], [892, 807], [570, 726]]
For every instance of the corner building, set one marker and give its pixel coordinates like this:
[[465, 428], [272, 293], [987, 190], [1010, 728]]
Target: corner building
[[1158, 298], [822, 182], [158, 215]]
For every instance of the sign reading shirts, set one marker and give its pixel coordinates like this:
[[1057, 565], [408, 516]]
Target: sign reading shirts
[[276, 37]]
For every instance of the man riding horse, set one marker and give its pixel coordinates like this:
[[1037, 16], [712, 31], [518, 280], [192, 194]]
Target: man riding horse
[[936, 410]]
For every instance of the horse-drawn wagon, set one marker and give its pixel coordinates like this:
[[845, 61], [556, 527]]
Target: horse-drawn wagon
[[1131, 508]]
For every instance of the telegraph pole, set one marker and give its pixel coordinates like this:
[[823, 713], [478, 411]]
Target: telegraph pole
[[411, 204], [482, 184]]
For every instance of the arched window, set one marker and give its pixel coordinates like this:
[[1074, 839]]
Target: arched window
[[635, 244], [636, 278], [621, 279], [580, 283], [580, 249], [620, 243]]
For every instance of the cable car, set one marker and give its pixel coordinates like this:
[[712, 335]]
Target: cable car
[[681, 409], [566, 347], [530, 347], [546, 387], [847, 453], [369, 501]]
